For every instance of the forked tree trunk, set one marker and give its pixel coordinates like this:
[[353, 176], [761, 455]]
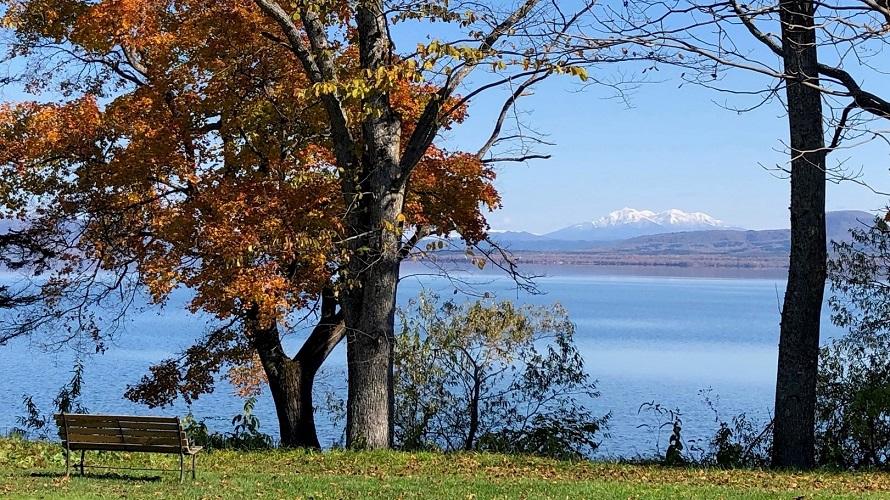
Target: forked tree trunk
[[794, 441], [375, 171], [292, 394], [291, 380]]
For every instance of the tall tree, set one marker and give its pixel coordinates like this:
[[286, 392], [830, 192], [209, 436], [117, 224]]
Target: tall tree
[[717, 35], [190, 149], [794, 421], [379, 156]]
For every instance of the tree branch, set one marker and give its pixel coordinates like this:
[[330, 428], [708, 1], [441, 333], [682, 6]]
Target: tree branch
[[428, 124], [502, 116], [516, 158], [863, 99], [325, 336], [344, 143], [841, 125], [420, 233], [755, 31]]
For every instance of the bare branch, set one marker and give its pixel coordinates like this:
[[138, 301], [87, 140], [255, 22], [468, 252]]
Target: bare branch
[[505, 109], [839, 130], [517, 159]]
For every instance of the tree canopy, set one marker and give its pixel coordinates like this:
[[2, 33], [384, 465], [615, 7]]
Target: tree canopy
[[184, 144]]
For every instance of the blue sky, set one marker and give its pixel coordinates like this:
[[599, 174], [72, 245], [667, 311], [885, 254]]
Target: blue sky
[[673, 148], [670, 146]]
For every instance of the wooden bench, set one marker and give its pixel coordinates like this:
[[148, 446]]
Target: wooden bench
[[124, 433]]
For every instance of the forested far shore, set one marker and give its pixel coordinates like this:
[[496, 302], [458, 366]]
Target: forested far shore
[[689, 260]]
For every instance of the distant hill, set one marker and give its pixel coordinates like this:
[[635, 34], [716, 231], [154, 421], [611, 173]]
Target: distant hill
[[839, 223], [728, 242]]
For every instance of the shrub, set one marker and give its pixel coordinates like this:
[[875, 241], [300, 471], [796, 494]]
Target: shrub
[[853, 405], [36, 424], [245, 435], [492, 376], [737, 442]]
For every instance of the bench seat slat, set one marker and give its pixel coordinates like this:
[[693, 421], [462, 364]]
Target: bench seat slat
[[99, 420], [176, 450], [121, 438], [123, 423], [123, 418], [106, 431], [144, 440], [118, 430]]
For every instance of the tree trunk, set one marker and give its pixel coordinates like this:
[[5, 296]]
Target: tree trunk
[[291, 379], [794, 442], [370, 299], [292, 393], [370, 314], [369, 304], [474, 411]]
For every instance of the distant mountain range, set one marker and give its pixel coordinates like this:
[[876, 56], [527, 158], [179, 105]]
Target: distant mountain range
[[629, 223], [618, 225], [670, 238]]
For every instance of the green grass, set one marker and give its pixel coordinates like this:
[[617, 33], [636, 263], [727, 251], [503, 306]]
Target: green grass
[[36, 470]]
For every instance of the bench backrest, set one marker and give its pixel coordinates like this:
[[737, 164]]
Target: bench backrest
[[121, 433]]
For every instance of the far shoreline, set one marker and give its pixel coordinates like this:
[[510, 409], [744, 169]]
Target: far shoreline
[[567, 270]]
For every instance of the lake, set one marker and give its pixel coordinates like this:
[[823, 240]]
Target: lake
[[644, 337]]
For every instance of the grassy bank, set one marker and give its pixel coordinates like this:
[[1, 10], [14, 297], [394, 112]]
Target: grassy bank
[[36, 470]]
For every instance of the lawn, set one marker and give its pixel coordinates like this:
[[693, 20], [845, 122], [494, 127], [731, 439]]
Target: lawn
[[36, 470]]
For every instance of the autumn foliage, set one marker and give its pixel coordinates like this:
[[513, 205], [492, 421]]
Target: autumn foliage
[[180, 144]]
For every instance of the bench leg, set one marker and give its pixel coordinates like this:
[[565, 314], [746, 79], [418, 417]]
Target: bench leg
[[181, 467], [194, 457], [67, 462], [81, 461]]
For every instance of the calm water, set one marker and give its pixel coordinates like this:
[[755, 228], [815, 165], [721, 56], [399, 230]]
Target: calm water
[[645, 338]]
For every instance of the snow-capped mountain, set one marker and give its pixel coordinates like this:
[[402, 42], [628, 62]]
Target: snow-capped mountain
[[679, 218], [629, 223]]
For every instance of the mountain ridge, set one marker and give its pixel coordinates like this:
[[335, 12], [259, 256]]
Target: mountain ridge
[[630, 222], [727, 241]]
